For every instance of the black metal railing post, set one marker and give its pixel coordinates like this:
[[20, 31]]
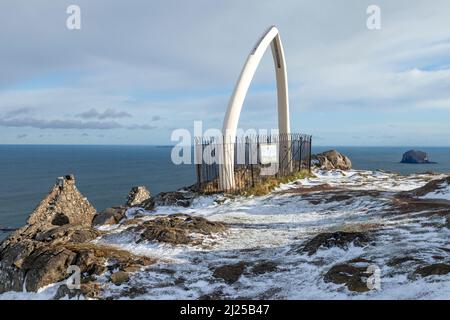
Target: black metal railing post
[[309, 162], [300, 147]]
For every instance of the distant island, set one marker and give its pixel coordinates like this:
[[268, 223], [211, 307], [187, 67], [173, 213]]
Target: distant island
[[415, 156]]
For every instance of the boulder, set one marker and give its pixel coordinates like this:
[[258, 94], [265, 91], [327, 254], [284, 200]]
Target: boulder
[[120, 277], [109, 216], [67, 233], [137, 195], [148, 204], [415, 156], [47, 265], [230, 273], [33, 264], [397, 261], [264, 267], [353, 274], [89, 289], [93, 258], [335, 239], [175, 198], [133, 292], [433, 269], [177, 228], [171, 235], [64, 292], [332, 159]]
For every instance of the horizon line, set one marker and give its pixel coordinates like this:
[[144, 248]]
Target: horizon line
[[173, 145]]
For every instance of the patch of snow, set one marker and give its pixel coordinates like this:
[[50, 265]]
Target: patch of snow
[[273, 227], [45, 293], [443, 193]]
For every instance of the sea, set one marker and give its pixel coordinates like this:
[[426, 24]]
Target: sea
[[105, 174]]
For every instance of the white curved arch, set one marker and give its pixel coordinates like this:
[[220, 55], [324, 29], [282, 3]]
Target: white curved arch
[[271, 37]]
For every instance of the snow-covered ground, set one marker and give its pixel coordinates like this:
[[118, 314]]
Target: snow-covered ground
[[442, 193], [273, 227]]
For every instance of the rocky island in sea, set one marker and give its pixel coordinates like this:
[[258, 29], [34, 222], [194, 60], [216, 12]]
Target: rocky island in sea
[[415, 156], [314, 238]]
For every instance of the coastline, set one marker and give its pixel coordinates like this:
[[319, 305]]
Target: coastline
[[262, 253], [106, 174]]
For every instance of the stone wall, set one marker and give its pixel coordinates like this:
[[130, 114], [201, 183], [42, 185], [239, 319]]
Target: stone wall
[[36, 251], [63, 205]]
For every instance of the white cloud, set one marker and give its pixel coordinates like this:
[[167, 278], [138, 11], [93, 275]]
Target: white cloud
[[180, 60]]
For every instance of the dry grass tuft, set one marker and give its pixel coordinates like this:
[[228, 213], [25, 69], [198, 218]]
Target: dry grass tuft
[[270, 183]]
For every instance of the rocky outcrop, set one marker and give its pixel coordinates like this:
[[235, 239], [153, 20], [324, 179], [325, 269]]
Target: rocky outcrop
[[330, 160], [67, 233], [415, 156], [56, 237], [432, 186], [433, 269], [180, 198], [398, 261], [335, 239], [230, 273], [264, 267], [120, 277], [137, 196], [90, 290], [109, 216], [148, 204], [140, 197], [353, 274], [178, 228]]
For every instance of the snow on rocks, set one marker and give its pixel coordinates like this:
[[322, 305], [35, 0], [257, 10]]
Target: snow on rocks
[[359, 219], [443, 193]]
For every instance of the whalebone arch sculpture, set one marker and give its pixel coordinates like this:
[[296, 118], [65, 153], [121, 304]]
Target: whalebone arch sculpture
[[270, 38]]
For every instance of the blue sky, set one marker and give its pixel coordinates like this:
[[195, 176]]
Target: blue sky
[[139, 69]]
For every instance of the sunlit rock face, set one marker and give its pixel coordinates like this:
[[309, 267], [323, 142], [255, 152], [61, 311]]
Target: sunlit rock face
[[137, 196], [331, 159]]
